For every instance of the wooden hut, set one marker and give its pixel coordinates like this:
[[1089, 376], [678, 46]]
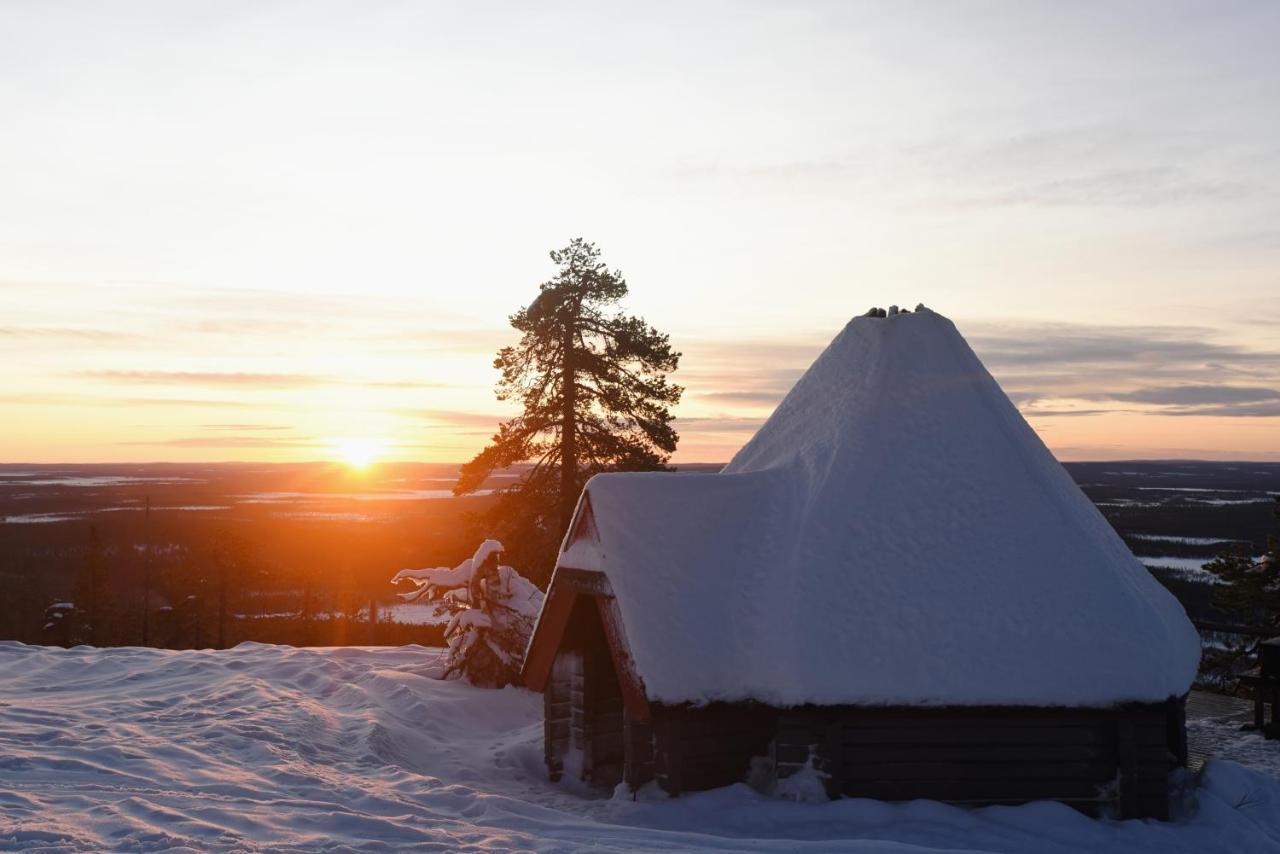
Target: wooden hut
[[893, 586]]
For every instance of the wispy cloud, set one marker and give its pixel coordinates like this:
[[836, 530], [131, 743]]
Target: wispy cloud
[[66, 334], [722, 424], [1102, 165], [1179, 370], [205, 378], [1050, 370], [239, 378], [226, 442], [456, 417], [1196, 395], [435, 340], [1025, 345], [750, 398], [185, 402]]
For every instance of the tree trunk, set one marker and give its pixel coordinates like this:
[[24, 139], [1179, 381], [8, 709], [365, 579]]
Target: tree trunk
[[222, 608], [568, 432], [146, 579]]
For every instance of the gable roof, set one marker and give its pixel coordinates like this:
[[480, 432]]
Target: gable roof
[[895, 533]]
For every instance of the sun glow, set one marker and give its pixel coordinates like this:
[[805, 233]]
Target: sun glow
[[358, 452]]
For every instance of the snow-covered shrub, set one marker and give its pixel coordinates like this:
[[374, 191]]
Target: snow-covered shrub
[[493, 607]]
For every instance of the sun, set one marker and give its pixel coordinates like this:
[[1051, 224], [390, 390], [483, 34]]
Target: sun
[[358, 452]]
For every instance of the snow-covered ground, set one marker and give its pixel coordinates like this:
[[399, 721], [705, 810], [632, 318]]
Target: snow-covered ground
[[275, 748]]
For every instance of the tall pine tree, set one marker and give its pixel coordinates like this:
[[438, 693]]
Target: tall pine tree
[[593, 386]]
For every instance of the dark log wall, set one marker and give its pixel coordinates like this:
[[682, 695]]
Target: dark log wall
[[583, 703], [709, 746], [602, 711], [557, 700], [1093, 759], [1100, 760], [1112, 761], [638, 745]]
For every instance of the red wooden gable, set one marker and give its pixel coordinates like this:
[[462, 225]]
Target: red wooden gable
[[584, 524], [567, 584]]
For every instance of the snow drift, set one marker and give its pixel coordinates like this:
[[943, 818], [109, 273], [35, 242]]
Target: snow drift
[[263, 748], [895, 533]]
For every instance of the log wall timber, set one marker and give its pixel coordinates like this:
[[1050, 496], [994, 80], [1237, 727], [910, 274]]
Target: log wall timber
[[1093, 759], [583, 703], [706, 747], [557, 701]]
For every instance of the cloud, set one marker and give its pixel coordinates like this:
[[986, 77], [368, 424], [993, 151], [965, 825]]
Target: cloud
[[1197, 395], [1112, 165], [750, 374], [1140, 186], [208, 378], [45, 399], [1240, 410], [227, 442], [434, 340], [1175, 370], [723, 424], [67, 335], [182, 402], [244, 379], [785, 175], [1069, 345], [752, 398], [1059, 413], [249, 427], [392, 383], [458, 418], [1104, 165], [1048, 369]]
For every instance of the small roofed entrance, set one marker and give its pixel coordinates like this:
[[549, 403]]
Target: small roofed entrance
[[584, 706]]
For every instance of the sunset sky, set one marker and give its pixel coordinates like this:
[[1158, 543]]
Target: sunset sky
[[272, 230]]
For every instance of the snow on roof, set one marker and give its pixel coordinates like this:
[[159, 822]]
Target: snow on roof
[[895, 533]]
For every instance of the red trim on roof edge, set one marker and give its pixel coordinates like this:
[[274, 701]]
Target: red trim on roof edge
[[583, 524], [564, 591], [547, 635], [624, 665]]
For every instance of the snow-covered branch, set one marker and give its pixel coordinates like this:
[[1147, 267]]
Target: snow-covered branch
[[493, 607]]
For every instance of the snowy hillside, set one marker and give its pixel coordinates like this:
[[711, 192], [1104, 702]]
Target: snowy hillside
[[275, 748]]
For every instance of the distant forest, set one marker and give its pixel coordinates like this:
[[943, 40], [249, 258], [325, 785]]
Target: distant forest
[[303, 554], [298, 555]]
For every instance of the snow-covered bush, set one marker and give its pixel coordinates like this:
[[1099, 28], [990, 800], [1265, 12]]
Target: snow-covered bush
[[493, 607]]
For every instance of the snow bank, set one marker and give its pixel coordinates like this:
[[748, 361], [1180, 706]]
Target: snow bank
[[264, 748], [894, 533]]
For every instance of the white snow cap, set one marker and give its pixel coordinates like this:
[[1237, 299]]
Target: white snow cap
[[895, 533]]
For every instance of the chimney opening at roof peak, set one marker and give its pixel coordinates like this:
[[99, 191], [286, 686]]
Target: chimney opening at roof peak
[[892, 311]]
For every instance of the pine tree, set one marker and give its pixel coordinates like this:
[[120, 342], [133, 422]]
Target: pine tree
[[592, 383], [92, 598], [1250, 594]]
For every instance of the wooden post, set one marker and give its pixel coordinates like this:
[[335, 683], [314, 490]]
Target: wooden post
[[832, 755], [667, 755], [1176, 728], [146, 576], [1127, 761]]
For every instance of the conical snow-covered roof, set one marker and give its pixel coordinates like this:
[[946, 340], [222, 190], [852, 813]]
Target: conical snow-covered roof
[[895, 533]]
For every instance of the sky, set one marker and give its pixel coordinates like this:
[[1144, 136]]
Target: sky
[[281, 230]]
